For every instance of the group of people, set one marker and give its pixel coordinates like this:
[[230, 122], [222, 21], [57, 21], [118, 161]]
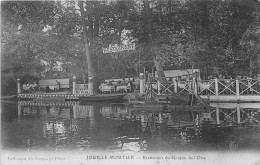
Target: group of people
[[221, 76], [218, 76], [55, 87], [226, 84], [127, 83], [29, 87]]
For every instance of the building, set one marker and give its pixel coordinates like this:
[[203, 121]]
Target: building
[[185, 73]]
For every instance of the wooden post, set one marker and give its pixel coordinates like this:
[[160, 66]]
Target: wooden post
[[194, 84], [175, 85], [18, 86], [160, 118], [216, 87], [74, 85], [238, 114], [158, 86], [142, 118], [91, 117], [75, 107], [90, 85], [141, 83], [19, 111], [237, 89], [217, 114]]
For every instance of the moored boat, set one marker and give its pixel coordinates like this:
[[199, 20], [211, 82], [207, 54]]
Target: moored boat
[[56, 99], [174, 98], [12, 97], [103, 97]]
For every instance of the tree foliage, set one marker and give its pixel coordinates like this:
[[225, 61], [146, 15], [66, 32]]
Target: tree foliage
[[22, 31], [39, 35]]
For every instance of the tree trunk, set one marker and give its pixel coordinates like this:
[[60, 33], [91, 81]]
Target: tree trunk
[[158, 67], [151, 44], [90, 15], [169, 7], [86, 41], [89, 12], [251, 66], [28, 53], [258, 62], [205, 18], [51, 69], [96, 22], [82, 68]]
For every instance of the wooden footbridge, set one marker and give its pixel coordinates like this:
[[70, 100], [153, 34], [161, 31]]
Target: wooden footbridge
[[216, 90]]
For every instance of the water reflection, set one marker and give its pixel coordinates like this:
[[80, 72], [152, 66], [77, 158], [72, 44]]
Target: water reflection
[[112, 127], [236, 113]]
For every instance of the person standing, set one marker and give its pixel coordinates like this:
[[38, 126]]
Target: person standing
[[34, 86], [58, 85], [47, 89], [131, 85]]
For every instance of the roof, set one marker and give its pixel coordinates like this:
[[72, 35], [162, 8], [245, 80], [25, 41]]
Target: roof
[[175, 73]]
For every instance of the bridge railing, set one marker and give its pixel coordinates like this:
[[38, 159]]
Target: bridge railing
[[81, 89], [184, 86], [215, 87], [206, 87], [229, 87], [249, 86], [151, 86], [235, 113], [168, 86], [237, 87], [226, 86]]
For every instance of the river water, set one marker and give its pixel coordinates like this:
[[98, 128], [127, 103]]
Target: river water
[[74, 126]]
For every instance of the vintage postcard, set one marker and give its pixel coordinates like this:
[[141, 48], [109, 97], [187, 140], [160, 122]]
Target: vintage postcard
[[174, 82]]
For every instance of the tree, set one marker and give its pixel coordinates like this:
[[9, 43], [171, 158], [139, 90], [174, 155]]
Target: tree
[[22, 29], [182, 34], [220, 26], [250, 42]]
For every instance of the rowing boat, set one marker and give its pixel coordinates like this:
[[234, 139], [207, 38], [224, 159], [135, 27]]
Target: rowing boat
[[103, 97]]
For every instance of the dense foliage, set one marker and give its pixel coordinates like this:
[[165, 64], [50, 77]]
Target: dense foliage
[[41, 37]]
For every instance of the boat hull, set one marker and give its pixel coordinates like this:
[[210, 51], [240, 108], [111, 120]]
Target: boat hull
[[103, 97]]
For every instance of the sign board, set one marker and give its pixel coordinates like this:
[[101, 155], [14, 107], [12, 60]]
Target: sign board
[[118, 48], [175, 73]]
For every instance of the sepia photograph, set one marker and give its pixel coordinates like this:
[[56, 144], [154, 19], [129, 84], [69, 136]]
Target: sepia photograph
[[102, 82]]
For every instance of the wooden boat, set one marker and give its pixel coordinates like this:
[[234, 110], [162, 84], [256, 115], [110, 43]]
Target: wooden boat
[[175, 98], [103, 97], [139, 96], [50, 100], [13, 97]]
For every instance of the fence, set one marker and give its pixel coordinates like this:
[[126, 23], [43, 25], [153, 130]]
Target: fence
[[235, 113], [81, 89], [216, 87]]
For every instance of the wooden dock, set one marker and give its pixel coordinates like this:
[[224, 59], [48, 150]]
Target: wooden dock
[[226, 105], [215, 90], [60, 96], [168, 108], [34, 103], [48, 96], [233, 98]]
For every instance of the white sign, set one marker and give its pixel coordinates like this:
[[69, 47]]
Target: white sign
[[118, 48]]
